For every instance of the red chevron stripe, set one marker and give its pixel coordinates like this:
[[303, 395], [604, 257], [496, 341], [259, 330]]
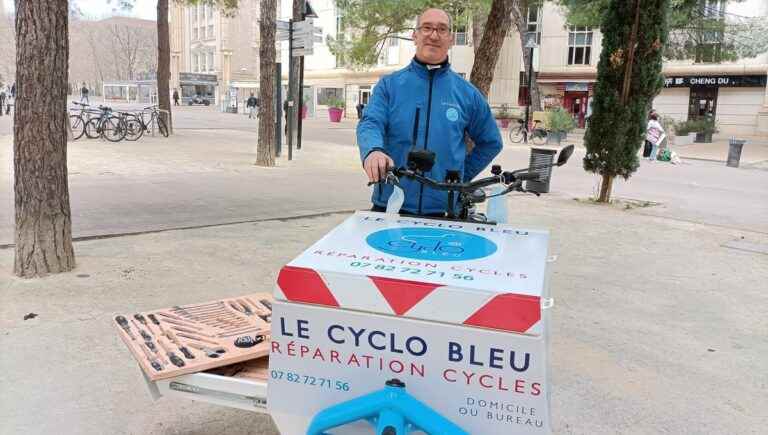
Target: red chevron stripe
[[401, 294], [300, 284], [508, 312]]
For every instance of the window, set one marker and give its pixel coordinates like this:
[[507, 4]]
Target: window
[[210, 62], [203, 63], [460, 34], [210, 30], [579, 45], [194, 34], [533, 19], [195, 63], [394, 42], [522, 92], [324, 95]]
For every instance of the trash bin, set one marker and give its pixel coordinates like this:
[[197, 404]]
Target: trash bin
[[734, 152], [541, 157]]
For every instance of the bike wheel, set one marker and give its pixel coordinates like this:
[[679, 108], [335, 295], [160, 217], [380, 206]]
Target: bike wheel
[[113, 129], [78, 126], [162, 127], [539, 136], [134, 128], [516, 134], [92, 128]]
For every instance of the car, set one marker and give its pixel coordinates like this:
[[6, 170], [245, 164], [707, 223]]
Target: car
[[197, 99]]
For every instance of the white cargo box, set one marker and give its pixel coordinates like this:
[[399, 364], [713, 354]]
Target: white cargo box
[[489, 276]]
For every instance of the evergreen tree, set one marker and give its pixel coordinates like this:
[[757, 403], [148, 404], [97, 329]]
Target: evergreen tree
[[628, 77]]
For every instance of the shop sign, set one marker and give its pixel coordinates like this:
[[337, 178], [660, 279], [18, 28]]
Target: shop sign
[[577, 87], [197, 77], [715, 81]]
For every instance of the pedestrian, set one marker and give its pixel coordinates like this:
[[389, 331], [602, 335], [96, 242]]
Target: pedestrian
[[388, 129], [84, 94], [175, 97], [360, 106], [13, 90], [2, 99], [253, 106], [654, 134]]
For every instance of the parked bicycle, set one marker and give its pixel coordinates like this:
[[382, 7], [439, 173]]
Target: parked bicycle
[[520, 133], [114, 126]]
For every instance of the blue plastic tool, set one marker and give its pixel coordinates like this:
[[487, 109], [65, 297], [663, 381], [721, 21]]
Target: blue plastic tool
[[391, 410]]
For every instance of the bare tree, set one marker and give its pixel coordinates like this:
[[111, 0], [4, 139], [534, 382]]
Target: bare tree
[[43, 233], [265, 153], [129, 46], [164, 62]]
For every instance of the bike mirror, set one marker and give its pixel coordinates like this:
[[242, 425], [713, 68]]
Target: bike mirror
[[421, 160], [564, 155]]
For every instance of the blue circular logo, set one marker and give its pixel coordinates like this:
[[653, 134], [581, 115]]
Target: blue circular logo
[[431, 244], [452, 114]]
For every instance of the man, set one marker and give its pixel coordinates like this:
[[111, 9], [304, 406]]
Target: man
[[252, 105], [2, 99], [445, 106], [84, 94], [175, 97]]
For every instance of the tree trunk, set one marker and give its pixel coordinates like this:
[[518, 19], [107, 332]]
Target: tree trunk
[[265, 153], [164, 63], [43, 219], [520, 19], [478, 28], [606, 186], [487, 54]]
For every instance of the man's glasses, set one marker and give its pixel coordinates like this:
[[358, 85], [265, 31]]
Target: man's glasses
[[426, 30]]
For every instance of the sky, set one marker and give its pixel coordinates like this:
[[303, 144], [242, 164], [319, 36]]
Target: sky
[[97, 9]]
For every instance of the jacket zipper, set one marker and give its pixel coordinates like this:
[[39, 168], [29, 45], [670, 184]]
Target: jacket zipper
[[426, 130]]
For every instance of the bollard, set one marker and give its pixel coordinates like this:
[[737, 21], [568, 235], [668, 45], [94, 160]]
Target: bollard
[[734, 152]]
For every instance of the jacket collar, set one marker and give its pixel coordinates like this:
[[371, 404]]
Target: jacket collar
[[423, 69]]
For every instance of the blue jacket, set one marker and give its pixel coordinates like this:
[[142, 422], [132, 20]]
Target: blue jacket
[[448, 107]]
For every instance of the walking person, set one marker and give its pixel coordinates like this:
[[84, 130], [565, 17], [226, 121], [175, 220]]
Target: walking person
[[253, 106], [654, 134], [2, 99], [84, 94], [175, 97]]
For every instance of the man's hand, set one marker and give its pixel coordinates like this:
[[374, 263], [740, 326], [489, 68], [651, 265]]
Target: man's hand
[[376, 165]]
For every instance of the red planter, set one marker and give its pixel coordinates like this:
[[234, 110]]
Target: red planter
[[304, 110], [504, 123], [334, 113]]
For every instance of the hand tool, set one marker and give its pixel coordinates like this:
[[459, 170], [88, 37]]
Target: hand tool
[[238, 332], [170, 316], [143, 321], [266, 303], [182, 348], [210, 352], [147, 338], [157, 323], [152, 360], [253, 304], [124, 324], [200, 339], [189, 331], [185, 324], [183, 307], [236, 306], [175, 360], [248, 341], [248, 311]]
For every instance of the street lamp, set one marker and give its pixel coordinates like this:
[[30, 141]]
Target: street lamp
[[529, 44]]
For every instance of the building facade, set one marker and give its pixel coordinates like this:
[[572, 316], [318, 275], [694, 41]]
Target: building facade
[[214, 55], [206, 42], [734, 93]]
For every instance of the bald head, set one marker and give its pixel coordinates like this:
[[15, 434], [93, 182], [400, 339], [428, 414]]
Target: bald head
[[430, 12]]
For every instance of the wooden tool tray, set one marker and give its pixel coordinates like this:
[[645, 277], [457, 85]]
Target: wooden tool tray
[[180, 340]]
